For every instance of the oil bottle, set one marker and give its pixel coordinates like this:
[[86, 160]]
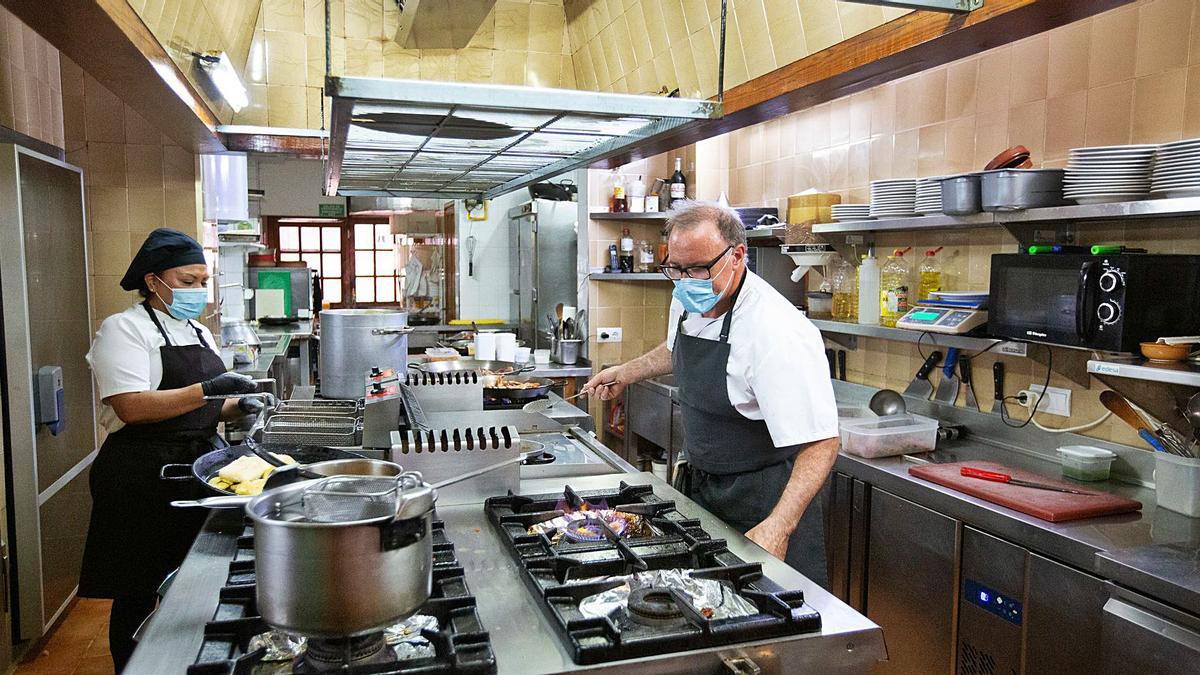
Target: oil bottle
[[929, 275], [845, 292], [894, 288]]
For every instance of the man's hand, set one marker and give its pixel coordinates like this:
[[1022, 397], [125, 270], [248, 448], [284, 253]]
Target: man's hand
[[608, 383], [771, 536]]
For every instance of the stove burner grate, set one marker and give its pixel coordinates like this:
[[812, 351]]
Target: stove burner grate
[[653, 606], [325, 655]]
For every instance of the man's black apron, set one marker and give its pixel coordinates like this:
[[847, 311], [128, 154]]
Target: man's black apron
[[135, 537], [734, 469]]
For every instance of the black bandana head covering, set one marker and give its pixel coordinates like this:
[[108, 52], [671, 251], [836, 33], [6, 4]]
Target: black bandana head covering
[[163, 249]]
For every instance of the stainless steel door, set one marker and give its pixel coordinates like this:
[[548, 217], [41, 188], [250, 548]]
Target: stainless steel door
[[47, 321], [555, 245], [913, 556], [992, 605], [1140, 636], [1062, 601], [837, 533]]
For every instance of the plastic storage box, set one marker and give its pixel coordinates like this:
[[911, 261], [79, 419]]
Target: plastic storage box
[[889, 436], [1177, 481], [854, 413], [1083, 462]]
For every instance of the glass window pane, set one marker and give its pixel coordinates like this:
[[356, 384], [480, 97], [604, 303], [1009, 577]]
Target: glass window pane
[[331, 238], [289, 238], [331, 265], [364, 289], [385, 263], [310, 239], [364, 236], [364, 263], [313, 260], [333, 291], [384, 236], [385, 289], [289, 256]]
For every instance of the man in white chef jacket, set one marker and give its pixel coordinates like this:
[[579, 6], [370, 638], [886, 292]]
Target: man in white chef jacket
[[759, 416]]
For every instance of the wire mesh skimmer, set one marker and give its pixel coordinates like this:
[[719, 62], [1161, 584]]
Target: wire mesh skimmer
[[344, 499]]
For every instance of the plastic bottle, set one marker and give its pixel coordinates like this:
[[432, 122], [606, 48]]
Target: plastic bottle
[[619, 203], [868, 289], [845, 292], [895, 281], [929, 275], [637, 196], [645, 261]]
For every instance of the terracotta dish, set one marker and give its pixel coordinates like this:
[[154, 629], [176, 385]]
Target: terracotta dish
[[1016, 157], [1160, 352]]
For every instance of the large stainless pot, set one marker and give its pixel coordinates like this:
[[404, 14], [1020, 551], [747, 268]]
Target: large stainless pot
[[355, 340], [341, 579]]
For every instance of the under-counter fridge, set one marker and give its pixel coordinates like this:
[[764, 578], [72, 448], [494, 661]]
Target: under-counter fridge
[[544, 240], [50, 437]]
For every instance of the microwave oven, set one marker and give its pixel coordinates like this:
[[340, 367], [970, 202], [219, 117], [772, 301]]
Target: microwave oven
[[1105, 303]]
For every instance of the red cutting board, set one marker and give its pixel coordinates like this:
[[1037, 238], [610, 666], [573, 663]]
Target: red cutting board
[[1055, 507]]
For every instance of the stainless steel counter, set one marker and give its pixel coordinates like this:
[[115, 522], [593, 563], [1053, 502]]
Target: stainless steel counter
[[275, 346], [522, 636], [1156, 551]]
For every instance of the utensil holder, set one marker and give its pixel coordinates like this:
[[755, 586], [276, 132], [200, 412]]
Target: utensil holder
[[1177, 483], [568, 352]]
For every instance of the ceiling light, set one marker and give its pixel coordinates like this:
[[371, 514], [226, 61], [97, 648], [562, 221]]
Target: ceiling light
[[220, 71]]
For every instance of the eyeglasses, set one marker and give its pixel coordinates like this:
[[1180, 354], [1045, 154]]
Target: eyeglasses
[[674, 272]]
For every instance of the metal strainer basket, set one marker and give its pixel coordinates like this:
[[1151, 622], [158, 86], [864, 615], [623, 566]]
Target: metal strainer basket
[[344, 499]]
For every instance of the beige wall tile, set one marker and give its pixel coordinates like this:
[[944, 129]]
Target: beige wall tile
[[908, 103], [1161, 42], [1065, 118], [512, 25], [961, 85], [542, 70], [652, 15], [509, 68], [1114, 47], [105, 115], [822, 25], [991, 135], [146, 213], [286, 106], [1109, 113], [286, 15], [906, 153], [787, 31], [756, 38], [364, 19], [108, 209], [932, 97], [994, 82], [675, 24], [1027, 126], [144, 167], [839, 122], [1070, 53], [883, 109], [1191, 120], [106, 164], [364, 58], [931, 150], [960, 146], [1158, 107], [406, 64], [110, 252], [1029, 77]]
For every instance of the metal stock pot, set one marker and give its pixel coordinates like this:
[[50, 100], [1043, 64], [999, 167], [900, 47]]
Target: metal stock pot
[[345, 578], [355, 340]]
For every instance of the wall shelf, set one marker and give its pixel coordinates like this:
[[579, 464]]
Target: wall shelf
[[935, 222], [654, 215], [1180, 372], [632, 276], [850, 332]]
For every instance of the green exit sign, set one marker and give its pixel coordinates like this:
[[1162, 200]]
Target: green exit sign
[[331, 210]]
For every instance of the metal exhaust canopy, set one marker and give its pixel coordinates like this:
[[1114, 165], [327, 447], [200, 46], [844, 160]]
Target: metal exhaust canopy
[[412, 138]]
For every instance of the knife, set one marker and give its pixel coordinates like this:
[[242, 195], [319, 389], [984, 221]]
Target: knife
[[998, 383], [947, 390], [920, 386], [1005, 478], [964, 368]]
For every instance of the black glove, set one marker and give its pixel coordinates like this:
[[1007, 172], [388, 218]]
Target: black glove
[[251, 405], [229, 383]]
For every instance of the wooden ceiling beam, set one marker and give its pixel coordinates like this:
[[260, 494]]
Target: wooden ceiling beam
[[909, 44], [108, 39]]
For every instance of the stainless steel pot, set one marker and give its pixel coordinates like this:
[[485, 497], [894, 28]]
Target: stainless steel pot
[[960, 195], [345, 578], [355, 340], [1019, 189]]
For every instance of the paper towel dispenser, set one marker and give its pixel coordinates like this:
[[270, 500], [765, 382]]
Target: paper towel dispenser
[[51, 398]]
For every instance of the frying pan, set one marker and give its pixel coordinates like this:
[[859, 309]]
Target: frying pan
[[544, 385], [207, 465]]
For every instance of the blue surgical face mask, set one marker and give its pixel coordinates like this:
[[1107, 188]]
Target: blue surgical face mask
[[697, 295], [186, 303]]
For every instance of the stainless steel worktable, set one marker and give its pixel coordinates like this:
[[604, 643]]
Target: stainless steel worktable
[[522, 638]]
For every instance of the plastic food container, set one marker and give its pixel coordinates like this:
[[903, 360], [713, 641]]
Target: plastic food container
[[541, 356], [1083, 462], [1177, 482], [889, 436]]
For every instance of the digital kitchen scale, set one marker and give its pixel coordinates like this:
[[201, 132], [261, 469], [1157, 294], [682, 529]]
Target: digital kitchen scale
[[944, 318]]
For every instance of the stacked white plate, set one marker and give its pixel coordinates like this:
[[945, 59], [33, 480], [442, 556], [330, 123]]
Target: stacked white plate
[[929, 195], [894, 198], [1115, 173], [1177, 169], [848, 212]]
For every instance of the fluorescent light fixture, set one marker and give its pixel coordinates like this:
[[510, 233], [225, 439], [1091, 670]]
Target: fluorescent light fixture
[[951, 6], [220, 71], [309, 220]]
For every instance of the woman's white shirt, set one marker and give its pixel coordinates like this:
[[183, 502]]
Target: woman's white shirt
[[124, 356]]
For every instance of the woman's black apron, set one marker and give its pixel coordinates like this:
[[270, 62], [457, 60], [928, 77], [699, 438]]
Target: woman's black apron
[[734, 469], [135, 537]]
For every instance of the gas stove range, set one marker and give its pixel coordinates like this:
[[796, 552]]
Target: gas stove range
[[445, 636], [580, 571]]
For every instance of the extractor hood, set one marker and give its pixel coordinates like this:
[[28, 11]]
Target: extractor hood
[[411, 138]]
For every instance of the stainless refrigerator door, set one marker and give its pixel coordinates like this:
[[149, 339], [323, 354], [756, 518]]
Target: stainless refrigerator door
[[556, 240], [524, 299], [47, 322]]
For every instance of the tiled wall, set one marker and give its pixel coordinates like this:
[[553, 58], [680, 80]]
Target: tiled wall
[[135, 179], [30, 93], [1130, 75], [638, 46], [186, 26]]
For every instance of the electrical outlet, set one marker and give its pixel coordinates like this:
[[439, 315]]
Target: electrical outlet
[[608, 335], [1056, 401]]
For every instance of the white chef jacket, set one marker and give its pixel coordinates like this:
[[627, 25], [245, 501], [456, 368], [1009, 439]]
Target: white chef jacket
[[124, 356], [777, 369]]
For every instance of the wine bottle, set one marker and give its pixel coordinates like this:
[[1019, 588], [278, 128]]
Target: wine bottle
[[678, 183]]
